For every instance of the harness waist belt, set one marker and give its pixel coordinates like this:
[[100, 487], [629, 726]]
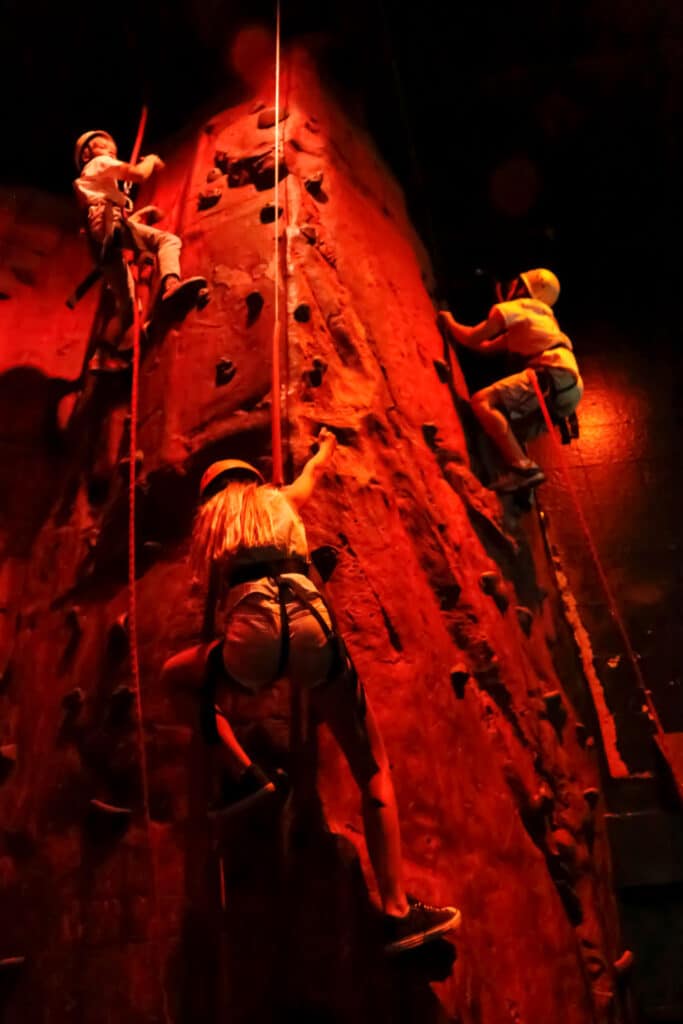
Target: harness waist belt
[[257, 570]]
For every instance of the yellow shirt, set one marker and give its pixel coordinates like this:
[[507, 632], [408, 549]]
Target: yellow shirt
[[532, 331]]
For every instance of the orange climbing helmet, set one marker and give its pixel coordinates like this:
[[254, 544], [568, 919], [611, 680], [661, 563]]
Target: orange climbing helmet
[[542, 284], [82, 141], [216, 476]]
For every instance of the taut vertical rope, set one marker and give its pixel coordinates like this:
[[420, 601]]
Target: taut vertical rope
[[276, 416], [132, 597]]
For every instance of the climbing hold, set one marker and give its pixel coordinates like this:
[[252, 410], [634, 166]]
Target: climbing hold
[[325, 560], [121, 701], [491, 584], [153, 546], [429, 432], [254, 301], [542, 800], [8, 754], [221, 160], [625, 962], [101, 809], [124, 462], [266, 118], [314, 184], [591, 796], [208, 198], [525, 618], [564, 843], [73, 701], [590, 743], [225, 371], [214, 174], [309, 232], [302, 313], [267, 214], [118, 635], [555, 709], [11, 964], [459, 677], [313, 378], [443, 370], [73, 619]]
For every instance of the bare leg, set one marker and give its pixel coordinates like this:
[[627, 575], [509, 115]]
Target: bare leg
[[364, 750], [498, 428], [184, 675]]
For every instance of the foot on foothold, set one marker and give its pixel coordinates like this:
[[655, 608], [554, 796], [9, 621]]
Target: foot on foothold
[[252, 787], [179, 297], [421, 924], [519, 478]]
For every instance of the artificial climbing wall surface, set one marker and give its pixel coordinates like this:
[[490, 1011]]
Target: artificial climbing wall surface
[[446, 618]]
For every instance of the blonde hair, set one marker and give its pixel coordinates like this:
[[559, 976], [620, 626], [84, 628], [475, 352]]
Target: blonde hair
[[235, 519]]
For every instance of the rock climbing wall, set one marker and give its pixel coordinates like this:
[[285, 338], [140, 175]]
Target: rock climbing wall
[[118, 915]]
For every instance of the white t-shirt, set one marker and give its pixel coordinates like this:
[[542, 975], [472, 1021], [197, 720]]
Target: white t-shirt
[[532, 331], [98, 182]]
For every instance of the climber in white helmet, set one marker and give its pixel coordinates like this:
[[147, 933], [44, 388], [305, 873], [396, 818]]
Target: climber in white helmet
[[251, 553], [523, 325], [112, 226]]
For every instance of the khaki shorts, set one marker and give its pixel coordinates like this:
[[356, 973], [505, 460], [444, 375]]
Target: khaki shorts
[[251, 652], [517, 394]]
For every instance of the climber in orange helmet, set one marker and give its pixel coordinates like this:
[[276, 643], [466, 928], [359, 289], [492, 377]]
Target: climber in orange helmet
[[523, 325], [112, 226], [251, 552]]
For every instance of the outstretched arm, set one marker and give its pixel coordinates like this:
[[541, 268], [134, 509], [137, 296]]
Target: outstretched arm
[[137, 173], [302, 488], [484, 337]]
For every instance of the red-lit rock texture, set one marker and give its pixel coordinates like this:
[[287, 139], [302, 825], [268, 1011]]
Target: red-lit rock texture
[[497, 795]]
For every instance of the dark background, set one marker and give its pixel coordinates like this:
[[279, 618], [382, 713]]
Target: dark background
[[537, 133]]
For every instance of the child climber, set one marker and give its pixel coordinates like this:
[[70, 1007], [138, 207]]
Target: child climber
[[250, 545], [112, 226], [523, 325]]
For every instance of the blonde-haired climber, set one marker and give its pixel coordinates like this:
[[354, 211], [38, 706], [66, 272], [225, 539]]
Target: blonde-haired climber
[[250, 550]]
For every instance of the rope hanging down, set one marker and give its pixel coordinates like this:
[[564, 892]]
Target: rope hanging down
[[276, 414], [611, 603]]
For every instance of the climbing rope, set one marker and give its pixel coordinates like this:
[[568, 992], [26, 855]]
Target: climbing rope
[[132, 592], [276, 414], [602, 576]]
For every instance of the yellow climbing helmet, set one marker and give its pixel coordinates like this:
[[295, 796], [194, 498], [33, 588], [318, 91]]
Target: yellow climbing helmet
[[216, 476], [542, 285], [82, 141]]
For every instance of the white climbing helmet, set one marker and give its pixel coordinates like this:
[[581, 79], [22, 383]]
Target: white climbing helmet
[[216, 476], [542, 285], [82, 141]]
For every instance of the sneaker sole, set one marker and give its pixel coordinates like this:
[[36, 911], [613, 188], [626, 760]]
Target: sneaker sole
[[419, 939], [243, 805], [523, 485]]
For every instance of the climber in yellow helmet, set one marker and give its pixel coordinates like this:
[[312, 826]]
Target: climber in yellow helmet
[[112, 226], [250, 551], [524, 325]]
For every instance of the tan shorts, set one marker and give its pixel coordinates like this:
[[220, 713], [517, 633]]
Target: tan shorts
[[251, 652], [517, 394]]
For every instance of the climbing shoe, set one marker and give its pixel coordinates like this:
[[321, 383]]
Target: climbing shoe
[[179, 297], [103, 362], [519, 479], [421, 924], [252, 787]]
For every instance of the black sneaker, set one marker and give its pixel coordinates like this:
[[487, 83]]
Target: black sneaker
[[421, 924], [252, 787], [518, 479]]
